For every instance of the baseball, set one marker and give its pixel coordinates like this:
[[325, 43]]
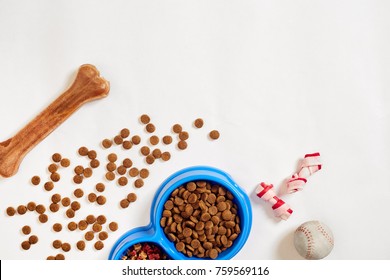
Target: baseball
[[313, 240]]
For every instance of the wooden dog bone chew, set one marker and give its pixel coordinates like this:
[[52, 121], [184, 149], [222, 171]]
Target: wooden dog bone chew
[[310, 164], [87, 86], [280, 208]]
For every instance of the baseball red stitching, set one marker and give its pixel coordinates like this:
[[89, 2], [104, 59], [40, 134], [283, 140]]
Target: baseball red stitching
[[310, 241], [325, 234]]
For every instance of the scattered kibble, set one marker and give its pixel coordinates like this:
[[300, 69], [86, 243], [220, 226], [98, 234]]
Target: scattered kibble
[[56, 157], [177, 128], [167, 140], [83, 151], [113, 226], [48, 186], [65, 162], [81, 245], [125, 132], [145, 119], [100, 187], [107, 143], [57, 227], [182, 145], [154, 140], [136, 139], [11, 211], [150, 128], [138, 183]]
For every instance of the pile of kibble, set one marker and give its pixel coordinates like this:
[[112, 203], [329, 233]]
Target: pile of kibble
[[201, 219], [120, 171]]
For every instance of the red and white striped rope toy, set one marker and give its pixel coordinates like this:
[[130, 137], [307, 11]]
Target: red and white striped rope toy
[[280, 208], [310, 164]]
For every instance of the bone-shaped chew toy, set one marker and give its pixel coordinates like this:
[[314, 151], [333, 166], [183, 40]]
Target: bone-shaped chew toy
[[280, 208], [87, 86], [310, 164]]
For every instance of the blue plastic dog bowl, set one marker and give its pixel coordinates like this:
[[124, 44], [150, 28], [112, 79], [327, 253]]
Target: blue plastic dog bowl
[[153, 233]]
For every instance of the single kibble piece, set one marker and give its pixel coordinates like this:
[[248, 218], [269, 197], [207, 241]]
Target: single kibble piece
[[75, 205], [165, 156], [94, 163], [78, 179], [55, 177], [182, 145], [21, 209], [35, 180], [103, 235], [145, 119], [214, 134], [101, 200], [150, 159], [133, 172], [150, 128], [54, 207], [110, 176], [92, 197], [125, 132], [48, 186], [167, 140], [144, 173], [50, 258], [25, 245], [43, 218], [56, 157], [118, 140], [131, 197], [66, 247], [31, 206], [136, 139], [156, 153], [90, 219], [154, 140], [87, 172], [127, 145], [97, 227], [101, 219], [121, 170], [112, 157], [198, 123], [65, 162], [81, 245], [33, 239], [138, 183], [127, 163], [57, 244], [79, 169], [56, 198], [52, 168], [78, 193], [213, 254], [122, 181], [183, 135], [89, 235], [107, 143], [70, 213], [72, 226], [177, 128], [65, 201], [145, 150], [26, 230], [59, 257], [113, 226], [83, 151], [11, 211], [92, 154], [83, 224], [57, 227], [100, 187], [98, 245], [124, 203], [111, 166], [40, 209]]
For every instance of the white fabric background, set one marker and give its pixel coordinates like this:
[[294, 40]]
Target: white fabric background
[[278, 79]]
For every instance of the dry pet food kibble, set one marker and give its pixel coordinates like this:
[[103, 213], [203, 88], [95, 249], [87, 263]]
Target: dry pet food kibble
[[198, 123], [107, 143], [145, 119], [11, 211], [167, 140], [35, 180], [214, 134], [26, 230], [201, 219]]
